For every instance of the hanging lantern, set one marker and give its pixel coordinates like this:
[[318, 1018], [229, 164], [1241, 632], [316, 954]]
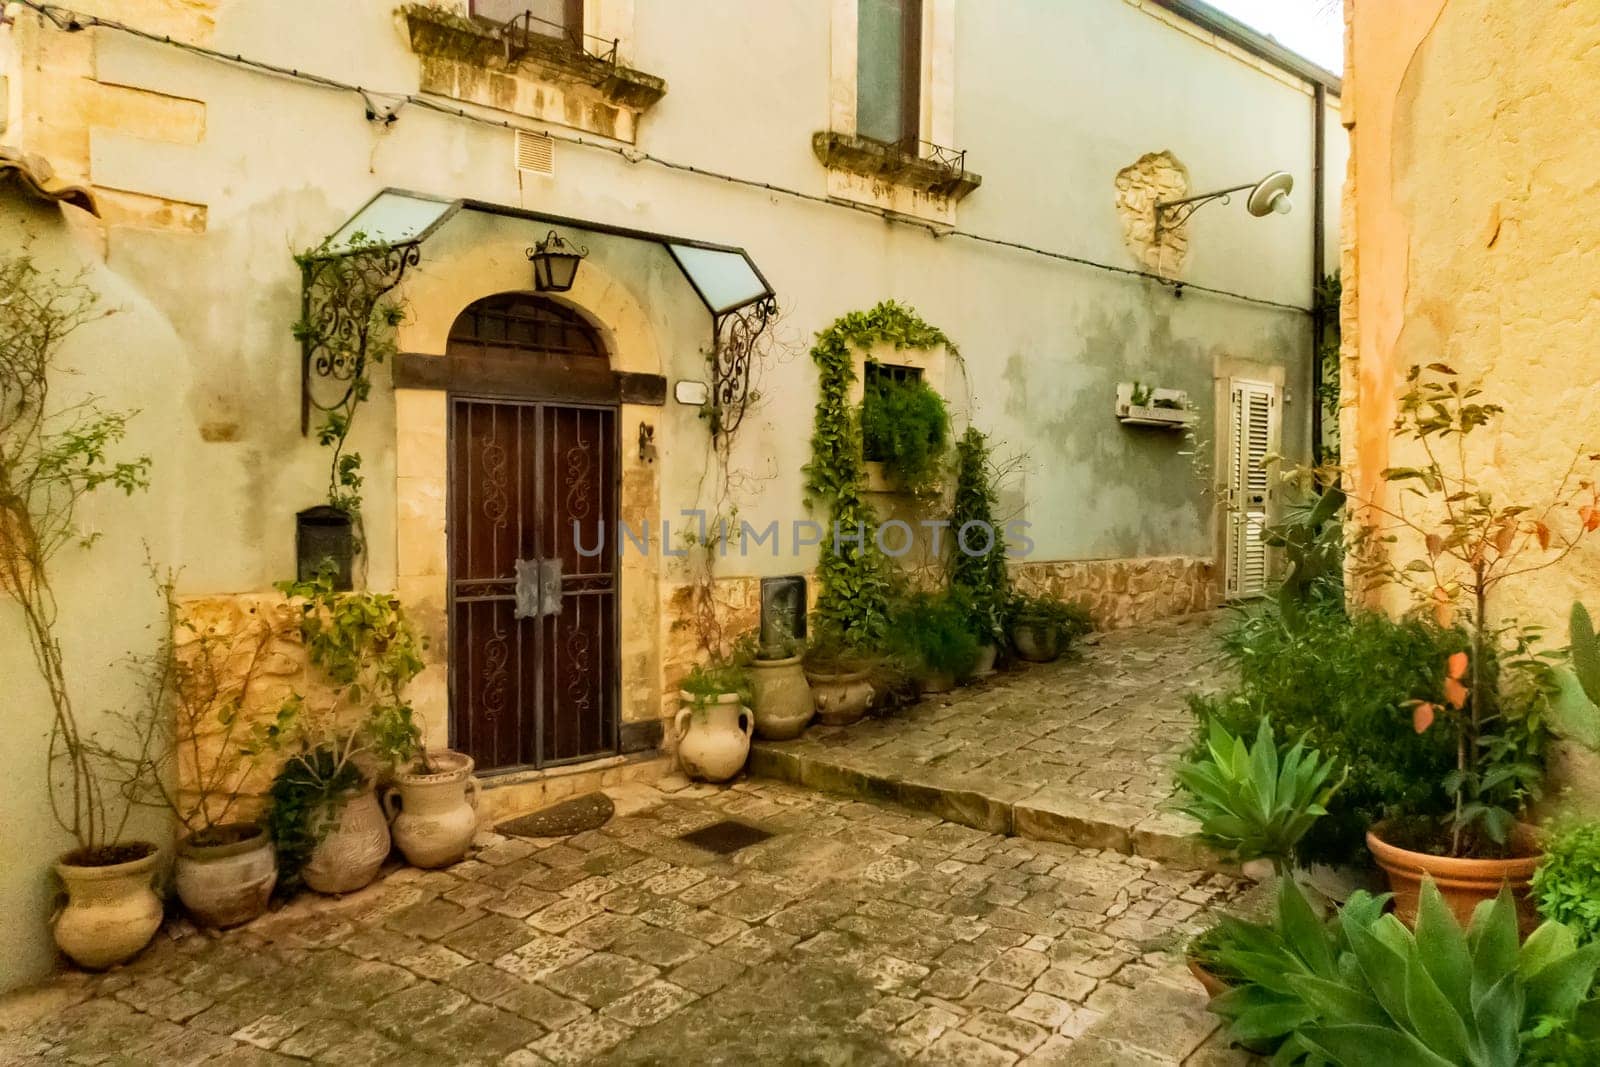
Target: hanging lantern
[[555, 263]]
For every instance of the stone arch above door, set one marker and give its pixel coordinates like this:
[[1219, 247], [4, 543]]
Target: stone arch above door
[[480, 256]]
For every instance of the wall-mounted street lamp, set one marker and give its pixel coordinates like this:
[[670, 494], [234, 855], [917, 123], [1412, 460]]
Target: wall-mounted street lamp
[[1268, 196], [555, 263]]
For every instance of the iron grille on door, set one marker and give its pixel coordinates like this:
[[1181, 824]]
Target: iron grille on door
[[1253, 429]]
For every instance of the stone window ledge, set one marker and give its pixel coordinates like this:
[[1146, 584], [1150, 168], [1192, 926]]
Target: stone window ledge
[[447, 39], [889, 164]]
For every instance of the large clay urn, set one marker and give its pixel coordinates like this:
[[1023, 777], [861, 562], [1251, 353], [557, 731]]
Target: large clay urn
[[782, 701], [437, 812], [111, 911], [224, 874], [713, 736], [353, 846]]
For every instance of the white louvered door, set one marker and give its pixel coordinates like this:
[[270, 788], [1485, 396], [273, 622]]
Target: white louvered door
[[1253, 429]]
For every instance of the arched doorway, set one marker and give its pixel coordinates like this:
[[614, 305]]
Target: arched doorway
[[533, 482]]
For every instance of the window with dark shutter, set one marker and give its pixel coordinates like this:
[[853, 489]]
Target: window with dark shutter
[[889, 70]]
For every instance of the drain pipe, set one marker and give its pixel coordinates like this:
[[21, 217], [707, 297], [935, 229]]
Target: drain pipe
[[1319, 120]]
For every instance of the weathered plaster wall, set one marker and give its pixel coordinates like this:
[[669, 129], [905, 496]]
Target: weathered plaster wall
[[108, 603], [1472, 188]]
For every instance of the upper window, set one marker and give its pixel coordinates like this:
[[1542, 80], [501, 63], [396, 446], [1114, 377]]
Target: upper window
[[889, 70], [552, 18]]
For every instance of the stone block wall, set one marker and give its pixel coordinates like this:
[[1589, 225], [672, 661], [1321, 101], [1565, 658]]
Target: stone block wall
[[1125, 592]]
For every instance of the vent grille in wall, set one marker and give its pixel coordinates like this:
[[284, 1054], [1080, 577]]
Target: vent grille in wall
[[535, 152]]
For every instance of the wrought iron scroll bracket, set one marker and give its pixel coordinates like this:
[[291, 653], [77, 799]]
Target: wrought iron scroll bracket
[[1171, 214], [338, 294], [734, 337]]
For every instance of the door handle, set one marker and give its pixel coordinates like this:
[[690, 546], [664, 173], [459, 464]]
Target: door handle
[[550, 586], [528, 573]]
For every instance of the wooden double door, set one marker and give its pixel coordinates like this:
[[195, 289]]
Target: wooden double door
[[533, 582]]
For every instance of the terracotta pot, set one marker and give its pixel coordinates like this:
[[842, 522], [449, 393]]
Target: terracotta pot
[[352, 849], [986, 657], [438, 812], [1037, 642], [713, 737], [932, 682], [111, 911], [841, 699], [228, 883], [782, 706], [1213, 985], [1464, 883]]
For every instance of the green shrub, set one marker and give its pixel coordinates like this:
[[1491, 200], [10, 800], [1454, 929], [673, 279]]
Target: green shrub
[[303, 804], [904, 424], [705, 683], [930, 631], [1253, 801], [1073, 619], [980, 577], [1567, 884], [1342, 685]]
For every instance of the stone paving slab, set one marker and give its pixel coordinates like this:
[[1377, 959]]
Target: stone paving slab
[[1079, 751], [859, 933]]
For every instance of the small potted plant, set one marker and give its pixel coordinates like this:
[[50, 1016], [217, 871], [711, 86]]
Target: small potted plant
[[714, 723], [840, 675], [781, 696], [323, 810], [930, 632], [1042, 627]]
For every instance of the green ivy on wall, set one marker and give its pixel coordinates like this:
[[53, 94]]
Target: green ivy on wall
[[854, 579]]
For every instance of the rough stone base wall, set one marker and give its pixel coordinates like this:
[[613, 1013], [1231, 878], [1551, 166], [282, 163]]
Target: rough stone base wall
[[1124, 592]]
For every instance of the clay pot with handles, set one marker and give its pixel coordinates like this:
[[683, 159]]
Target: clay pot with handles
[[437, 814], [713, 736]]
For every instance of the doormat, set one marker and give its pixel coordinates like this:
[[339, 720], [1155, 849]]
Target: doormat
[[587, 812], [726, 837]]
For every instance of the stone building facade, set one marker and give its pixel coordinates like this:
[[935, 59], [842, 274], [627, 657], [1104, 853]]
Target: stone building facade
[[667, 140]]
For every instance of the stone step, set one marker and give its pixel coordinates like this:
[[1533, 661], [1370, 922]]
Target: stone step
[[1047, 814]]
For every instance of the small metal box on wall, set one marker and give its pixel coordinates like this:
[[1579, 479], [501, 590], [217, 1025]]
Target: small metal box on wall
[[324, 539], [783, 611]]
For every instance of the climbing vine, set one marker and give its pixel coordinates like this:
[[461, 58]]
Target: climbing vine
[[978, 550], [854, 578]]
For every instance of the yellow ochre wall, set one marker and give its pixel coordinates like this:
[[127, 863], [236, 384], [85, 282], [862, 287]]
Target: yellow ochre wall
[[1470, 237]]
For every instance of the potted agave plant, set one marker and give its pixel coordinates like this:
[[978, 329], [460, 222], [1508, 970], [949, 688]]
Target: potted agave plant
[[714, 723], [323, 809], [1493, 691], [1253, 804]]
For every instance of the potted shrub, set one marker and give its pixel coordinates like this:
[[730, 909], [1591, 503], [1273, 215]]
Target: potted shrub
[[52, 454], [1494, 692], [323, 810], [1042, 627], [931, 633], [780, 695], [840, 675], [977, 569], [200, 686], [714, 724], [904, 425]]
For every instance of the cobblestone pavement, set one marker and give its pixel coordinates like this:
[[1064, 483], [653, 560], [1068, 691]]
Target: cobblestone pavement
[[859, 933], [1079, 750]]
